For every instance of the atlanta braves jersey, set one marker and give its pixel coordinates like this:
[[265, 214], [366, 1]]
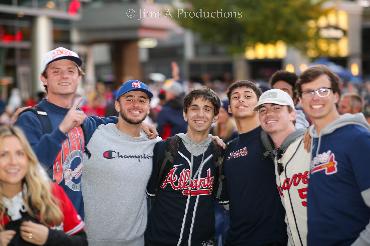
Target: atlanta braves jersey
[[292, 170]]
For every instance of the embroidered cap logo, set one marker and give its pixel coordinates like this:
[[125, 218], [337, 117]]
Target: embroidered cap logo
[[136, 84]]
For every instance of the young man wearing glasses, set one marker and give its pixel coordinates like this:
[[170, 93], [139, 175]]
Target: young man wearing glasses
[[256, 213], [284, 144], [339, 188]]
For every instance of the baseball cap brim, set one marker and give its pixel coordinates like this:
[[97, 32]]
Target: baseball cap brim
[[270, 101], [150, 95], [76, 60]]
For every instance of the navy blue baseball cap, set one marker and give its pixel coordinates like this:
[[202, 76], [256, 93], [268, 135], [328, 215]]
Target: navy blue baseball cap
[[133, 85]]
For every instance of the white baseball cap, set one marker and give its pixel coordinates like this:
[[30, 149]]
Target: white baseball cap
[[174, 87], [58, 54], [275, 96]]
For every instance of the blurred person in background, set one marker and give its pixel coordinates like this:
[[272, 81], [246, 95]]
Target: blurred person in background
[[15, 100], [96, 101], [286, 81], [33, 210], [225, 127], [350, 103], [154, 111], [170, 119]]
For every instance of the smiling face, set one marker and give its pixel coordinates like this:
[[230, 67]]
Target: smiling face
[[276, 118], [319, 108], [62, 78], [13, 163], [242, 102], [133, 107], [200, 115]]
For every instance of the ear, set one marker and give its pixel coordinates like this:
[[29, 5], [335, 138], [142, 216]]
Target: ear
[[293, 116], [336, 97], [229, 109], [215, 119], [184, 115], [44, 80], [300, 100], [117, 106]]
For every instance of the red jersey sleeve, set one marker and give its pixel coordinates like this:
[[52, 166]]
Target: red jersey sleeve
[[72, 222]]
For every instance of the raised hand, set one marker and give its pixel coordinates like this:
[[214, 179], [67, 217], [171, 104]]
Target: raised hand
[[73, 118]]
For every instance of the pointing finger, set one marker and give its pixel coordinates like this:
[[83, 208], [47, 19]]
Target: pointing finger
[[77, 103]]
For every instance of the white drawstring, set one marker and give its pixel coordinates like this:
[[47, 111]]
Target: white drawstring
[[197, 173]]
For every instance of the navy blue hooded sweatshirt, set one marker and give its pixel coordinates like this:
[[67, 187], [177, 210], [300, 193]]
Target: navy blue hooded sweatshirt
[[338, 209], [61, 154], [256, 212]]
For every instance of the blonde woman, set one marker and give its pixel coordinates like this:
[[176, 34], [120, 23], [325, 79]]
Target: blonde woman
[[33, 211]]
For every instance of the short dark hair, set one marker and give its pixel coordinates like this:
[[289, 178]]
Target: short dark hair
[[312, 73], [206, 94], [244, 83], [288, 77]]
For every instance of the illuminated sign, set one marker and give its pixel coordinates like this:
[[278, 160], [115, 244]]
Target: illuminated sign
[[332, 32]]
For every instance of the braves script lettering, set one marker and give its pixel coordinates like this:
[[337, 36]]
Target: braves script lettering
[[296, 180], [238, 153], [189, 186]]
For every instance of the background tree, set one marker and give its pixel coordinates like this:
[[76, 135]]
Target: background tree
[[255, 21]]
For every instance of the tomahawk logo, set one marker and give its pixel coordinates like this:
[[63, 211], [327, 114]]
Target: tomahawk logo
[[136, 84], [324, 162]]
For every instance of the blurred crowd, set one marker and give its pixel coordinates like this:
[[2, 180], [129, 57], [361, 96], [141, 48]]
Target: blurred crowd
[[166, 105], [276, 169]]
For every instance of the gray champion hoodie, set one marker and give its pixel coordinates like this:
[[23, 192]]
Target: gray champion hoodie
[[113, 187]]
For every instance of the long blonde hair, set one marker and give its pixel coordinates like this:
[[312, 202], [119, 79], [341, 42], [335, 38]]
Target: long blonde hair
[[37, 196]]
